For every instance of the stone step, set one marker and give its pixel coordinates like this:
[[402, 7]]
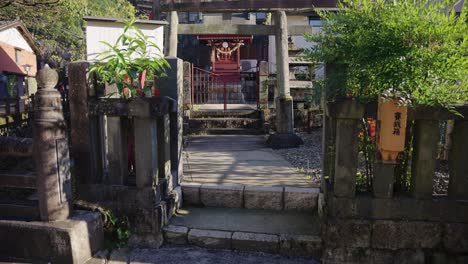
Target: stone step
[[250, 197], [287, 233], [228, 131], [229, 122], [225, 113]]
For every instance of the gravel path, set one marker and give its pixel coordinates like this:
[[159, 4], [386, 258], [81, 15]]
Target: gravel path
[[308, 157]]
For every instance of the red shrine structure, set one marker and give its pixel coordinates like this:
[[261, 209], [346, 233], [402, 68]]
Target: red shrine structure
[[225, 55]]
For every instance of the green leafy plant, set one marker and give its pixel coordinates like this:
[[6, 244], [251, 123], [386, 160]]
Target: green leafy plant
[[116, 229], [125, 62], [417, 50]]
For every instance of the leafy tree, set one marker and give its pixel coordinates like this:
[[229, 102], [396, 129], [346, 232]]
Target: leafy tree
[[58, 28], [416, 50], [132, 56]]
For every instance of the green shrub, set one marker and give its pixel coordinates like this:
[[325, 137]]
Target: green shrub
[[417, 50]]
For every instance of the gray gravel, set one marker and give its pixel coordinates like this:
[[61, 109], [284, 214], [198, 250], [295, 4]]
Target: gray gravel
[[308, 157], [171, 254]]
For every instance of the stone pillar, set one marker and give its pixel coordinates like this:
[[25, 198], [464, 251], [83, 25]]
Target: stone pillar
[[187, 83], [458, 183], [285, 137], [85, 133], [425, 148], [50, 151], [171, 43], [263, 85], [384, 179], [173, 87], [164, 148], [348, 116]]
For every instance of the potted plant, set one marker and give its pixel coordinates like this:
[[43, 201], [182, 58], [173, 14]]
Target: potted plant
[[396, 54], [133, 58]]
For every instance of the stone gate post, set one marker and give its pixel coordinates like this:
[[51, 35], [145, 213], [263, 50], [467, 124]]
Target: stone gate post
[[50, 150]]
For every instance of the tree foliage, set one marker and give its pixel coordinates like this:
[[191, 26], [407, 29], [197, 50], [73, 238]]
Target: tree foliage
[[417, 50], [58, 28]]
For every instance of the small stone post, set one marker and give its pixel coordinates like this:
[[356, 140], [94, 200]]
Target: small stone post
[[348, 115], [171, 44], [187, 83], [50, 151], [426, 138], [285, 136], [458, 183], [263, 85], [173, 87]]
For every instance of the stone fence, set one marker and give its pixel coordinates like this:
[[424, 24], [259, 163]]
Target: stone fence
[[385, 226], [127, 152]]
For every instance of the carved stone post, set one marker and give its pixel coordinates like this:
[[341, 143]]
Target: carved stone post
[[263, 85], [50, 151]]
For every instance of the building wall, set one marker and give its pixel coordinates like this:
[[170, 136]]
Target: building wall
[[8, 59], [299, 41], [97, 31], [13, 37]]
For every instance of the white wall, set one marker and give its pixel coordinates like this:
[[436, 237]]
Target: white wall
[[13, 37], [299, 41], [97, 31]]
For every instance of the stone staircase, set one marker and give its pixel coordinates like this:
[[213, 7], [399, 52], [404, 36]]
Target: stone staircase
[[271, 219], [229, 122]]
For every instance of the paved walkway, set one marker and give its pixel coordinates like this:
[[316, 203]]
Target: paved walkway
[[194, 255], [233, 160]]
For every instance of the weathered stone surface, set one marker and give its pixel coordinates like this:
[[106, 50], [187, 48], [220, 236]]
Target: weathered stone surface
[[456, 237], [409, 257], [191, 193], [119, 256], [300, 198], [210, 238], [263, 197], [175, 234], [69, 241], [347, 233], [255, 242], [404, 235], [146, 240], [346, 255], [221, 195], [301, 245]]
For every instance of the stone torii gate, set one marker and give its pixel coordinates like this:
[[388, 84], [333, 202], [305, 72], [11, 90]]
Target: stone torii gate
[[285, 136]]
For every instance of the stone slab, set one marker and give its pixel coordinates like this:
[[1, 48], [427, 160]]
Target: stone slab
[[175, 234], [248, 220], [238, 160], [70, 241], [210, 238], [222, 196], [347, 233], [305, 199], [301, 245], [405, 235], [455, 237], [258, 197], [255, 242], [191, 193]]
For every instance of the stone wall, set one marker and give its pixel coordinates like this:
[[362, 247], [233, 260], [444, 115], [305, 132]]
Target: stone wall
[[382, 225]]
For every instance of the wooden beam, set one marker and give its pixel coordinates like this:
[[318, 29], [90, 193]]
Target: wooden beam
[[256, 30], [244, 5]]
